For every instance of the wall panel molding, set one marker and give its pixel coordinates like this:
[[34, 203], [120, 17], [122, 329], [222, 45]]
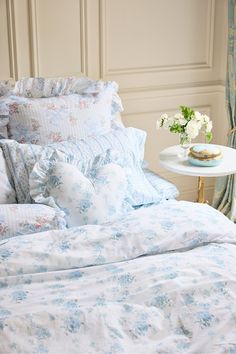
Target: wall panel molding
[[84, 37], [178, 86], [162, 53], [206, 64], [34, 39], [12, 40]]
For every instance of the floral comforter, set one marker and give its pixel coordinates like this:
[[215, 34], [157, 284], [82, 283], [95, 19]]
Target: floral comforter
[[160, 280]]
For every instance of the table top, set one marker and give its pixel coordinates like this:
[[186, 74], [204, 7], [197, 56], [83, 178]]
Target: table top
[[170, 160]]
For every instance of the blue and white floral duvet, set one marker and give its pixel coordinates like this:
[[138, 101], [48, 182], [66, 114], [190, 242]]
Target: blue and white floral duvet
[[160, 280]]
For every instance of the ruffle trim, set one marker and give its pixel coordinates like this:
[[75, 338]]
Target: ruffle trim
[[42, 170], [39, 87]]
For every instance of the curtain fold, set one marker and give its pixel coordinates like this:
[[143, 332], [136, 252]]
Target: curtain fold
[[225, 191]]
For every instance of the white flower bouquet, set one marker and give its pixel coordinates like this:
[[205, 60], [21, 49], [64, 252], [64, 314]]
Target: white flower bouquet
[[187, 123]]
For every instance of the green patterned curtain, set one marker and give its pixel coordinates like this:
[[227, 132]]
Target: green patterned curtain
[[225, 191]]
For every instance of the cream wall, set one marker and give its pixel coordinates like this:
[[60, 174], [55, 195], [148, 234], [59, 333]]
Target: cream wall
[[163, 53]]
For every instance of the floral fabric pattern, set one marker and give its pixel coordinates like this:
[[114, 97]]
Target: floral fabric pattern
[[6, 87], [7, 192], [95, 200], [129, 142], [39, 87], [20, 159], [4, 112], [45, 120], [159, 280], [43, 110], [22, 219], [165, 189]]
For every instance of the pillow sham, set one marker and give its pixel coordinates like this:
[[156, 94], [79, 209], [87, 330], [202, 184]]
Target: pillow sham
[[21, 159], [4, 111], [7, 192], [165, 189], [20, 219], [94, 200], [46, 110], [45, 120]]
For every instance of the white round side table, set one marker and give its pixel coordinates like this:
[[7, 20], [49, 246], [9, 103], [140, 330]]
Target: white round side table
[[170, 160]]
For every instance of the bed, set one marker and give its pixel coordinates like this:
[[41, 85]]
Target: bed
[[144, 273]]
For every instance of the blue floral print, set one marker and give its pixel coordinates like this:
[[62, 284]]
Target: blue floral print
[[19, 219], [41, 110], [99, 288]]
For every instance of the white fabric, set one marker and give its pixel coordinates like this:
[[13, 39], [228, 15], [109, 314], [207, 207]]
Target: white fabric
[[129, 143], [6, 86], [39, 87], [20, 219], [84, 201], [160, 280], [45, 120], [7, 192]]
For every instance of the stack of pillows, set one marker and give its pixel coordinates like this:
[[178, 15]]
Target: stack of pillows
[[67, 152]]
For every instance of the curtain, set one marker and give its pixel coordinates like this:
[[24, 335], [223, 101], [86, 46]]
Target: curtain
[[225, 190]]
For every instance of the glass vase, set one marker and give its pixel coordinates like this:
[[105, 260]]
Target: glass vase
[[184, 143]]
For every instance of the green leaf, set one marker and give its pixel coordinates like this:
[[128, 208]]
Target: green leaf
[[209, 137], [176, 128], [187, 112]]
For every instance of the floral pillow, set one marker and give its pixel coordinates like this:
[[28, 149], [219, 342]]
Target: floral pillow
[[45, 120], [129, 143], [42, 111], [20, 219], [20, 160], [94, 200], [4, 112], [7, 192]]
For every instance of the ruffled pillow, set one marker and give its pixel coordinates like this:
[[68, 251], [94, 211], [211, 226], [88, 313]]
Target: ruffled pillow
[[21, 158], [129, 142], [26, 116], [45, 120], [98, 199]]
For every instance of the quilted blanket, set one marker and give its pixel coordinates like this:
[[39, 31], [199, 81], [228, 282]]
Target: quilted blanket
[[160, 280]]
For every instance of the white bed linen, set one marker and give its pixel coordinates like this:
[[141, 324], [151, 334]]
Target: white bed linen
[[160, 280]]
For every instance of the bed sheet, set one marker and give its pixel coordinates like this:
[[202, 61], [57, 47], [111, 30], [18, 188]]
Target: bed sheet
[[160, 280]]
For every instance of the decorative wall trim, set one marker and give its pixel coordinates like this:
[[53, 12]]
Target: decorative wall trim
[[150, 95], [102, 39], [35, 67], [34, 62], [83, 36], [210, 32], [156, 111], [219, 85], [12, 40], [105, 71]]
